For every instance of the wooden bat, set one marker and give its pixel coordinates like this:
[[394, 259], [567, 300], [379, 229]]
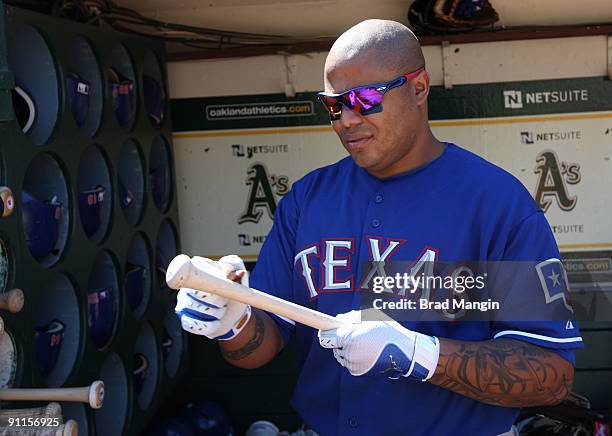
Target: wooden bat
[[70, 428], [51, 410], [92, 395], [183, 273], [12, 300], [1, 326], [7, 203]]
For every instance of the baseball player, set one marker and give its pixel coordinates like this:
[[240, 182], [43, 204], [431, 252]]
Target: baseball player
[[401, 195]]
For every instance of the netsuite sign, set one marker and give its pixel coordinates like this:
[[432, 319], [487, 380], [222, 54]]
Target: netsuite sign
[[514, 99]]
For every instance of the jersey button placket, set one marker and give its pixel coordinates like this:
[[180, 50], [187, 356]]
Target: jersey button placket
[[378, 199]]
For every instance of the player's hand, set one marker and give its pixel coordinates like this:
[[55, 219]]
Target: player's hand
[[210, 315], [381, 348]]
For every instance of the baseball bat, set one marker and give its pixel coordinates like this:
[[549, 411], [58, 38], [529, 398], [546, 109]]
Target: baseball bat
[[7, 201], [1, 326], [183, 273], [12, 300], [92, 395]]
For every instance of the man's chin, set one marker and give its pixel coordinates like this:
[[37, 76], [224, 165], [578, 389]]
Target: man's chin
[[365, 162]]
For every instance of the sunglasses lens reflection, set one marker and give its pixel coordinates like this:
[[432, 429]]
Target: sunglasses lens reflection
[[369, 97], [364, 99]]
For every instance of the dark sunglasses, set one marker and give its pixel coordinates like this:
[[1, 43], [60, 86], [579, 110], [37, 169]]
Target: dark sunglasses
[[366, 99]]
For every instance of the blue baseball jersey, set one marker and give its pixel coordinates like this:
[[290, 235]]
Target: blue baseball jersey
[[457, 207]]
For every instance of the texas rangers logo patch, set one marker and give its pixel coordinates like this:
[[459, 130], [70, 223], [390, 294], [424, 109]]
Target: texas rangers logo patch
[[554, 281]]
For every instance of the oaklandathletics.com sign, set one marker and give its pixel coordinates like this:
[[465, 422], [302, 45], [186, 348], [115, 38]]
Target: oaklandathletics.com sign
[[259, 110]]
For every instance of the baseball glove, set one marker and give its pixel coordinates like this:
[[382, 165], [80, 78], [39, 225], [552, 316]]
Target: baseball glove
[[450, 16]]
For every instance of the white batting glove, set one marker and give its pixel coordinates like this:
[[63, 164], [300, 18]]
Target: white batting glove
[[210, 315], [381, 348]]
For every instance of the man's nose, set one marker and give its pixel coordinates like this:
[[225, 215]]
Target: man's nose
[[350, 118]]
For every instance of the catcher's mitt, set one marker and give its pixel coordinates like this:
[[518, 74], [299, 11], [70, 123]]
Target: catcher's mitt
[[450, 16]]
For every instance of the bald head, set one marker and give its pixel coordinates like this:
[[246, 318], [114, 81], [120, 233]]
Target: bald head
[[388, 44]]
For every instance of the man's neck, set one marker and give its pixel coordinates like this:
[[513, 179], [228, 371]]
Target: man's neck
[[421, 154]]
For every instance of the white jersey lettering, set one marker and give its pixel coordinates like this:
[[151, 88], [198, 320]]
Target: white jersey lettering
[[302, 256], [378, 260], [331, 264]]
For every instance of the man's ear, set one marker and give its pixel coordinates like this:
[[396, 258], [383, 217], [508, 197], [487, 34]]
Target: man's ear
[[421, 88]]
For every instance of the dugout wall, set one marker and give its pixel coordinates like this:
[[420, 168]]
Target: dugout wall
[[95, 220]]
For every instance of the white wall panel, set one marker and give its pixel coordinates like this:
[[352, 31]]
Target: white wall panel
[[468, 63]]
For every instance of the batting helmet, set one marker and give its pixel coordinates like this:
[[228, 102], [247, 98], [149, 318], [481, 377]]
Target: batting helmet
[[90, 209], [154, 98], [134, 284], [122, 91], [78, 97], [48, 339], [40, 222], [101, 314], [24, 108]]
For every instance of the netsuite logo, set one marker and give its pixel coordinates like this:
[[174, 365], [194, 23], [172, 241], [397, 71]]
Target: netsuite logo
[[532, 138], [514, 99]]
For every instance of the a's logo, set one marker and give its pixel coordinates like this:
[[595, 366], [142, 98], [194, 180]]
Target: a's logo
[[554, 282], [552, 178], [263, 186], [526, 137], [513, 99]]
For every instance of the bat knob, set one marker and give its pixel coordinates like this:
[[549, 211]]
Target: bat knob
[[96, 394], [53, 409], [15, 299], [71, 428], [179, 268], [7, 201]]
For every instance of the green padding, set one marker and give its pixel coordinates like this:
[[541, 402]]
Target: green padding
[[597, 353], [595, 385]]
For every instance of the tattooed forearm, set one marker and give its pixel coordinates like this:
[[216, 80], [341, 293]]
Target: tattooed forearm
[[257, 344], [503, 372], [251, 345]]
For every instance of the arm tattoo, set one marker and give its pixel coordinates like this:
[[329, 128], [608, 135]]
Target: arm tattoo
[[253, 343], [504, 372]]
